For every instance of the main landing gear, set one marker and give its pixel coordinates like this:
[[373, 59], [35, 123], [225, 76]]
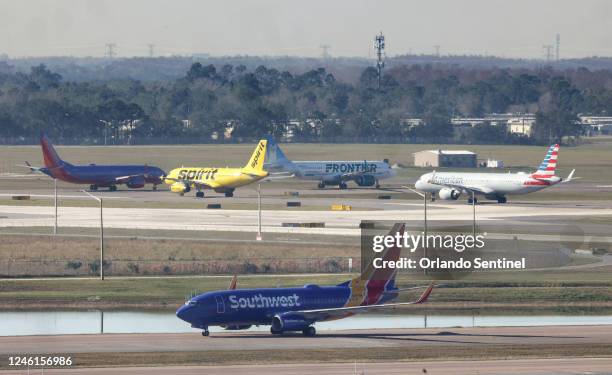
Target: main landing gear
[[205, 332], [229, 193], [93, 187], [321, 185], [342, 186], [112, 188], [501, 200], [309, 331], [199, 194], [470, 201]]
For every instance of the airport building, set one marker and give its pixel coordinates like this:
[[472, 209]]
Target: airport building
[[445, 158]]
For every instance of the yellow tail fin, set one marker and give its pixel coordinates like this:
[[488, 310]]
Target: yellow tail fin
[[257, 159]]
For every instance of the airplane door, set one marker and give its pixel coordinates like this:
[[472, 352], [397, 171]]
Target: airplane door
[[220, 305]]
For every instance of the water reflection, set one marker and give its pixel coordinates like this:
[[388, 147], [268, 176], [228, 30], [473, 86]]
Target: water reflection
[[20, 323]]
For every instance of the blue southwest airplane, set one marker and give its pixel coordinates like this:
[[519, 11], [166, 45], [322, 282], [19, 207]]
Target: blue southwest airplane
[[297, 309], [133, 176]]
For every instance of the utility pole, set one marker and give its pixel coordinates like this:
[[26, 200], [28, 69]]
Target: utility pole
[[55, 204], [548, 52], [437, 49], [110, 50], [379, 46], [557, 46], [101, 233], [151, 49], [326, 55], [259, 212]]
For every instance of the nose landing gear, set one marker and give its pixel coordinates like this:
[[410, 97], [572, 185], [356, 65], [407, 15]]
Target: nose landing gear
[[206, 332]]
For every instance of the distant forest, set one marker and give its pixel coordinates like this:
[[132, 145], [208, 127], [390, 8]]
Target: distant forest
[[316, 100]]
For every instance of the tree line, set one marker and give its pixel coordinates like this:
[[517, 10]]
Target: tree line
[[314, 106]]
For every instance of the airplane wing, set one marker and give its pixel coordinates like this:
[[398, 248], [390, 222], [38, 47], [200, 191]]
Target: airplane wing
[[30, 167], [200, 184], [124, 179], [469, 188], [322, 314]]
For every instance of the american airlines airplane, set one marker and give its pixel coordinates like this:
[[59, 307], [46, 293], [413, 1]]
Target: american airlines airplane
[[494, 186], [364, 173]]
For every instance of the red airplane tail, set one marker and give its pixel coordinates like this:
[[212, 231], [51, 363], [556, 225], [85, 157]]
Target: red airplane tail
[[50, 156]]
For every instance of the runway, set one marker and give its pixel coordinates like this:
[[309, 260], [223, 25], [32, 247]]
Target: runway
[[336, 222], [463, 367], [405, 338]]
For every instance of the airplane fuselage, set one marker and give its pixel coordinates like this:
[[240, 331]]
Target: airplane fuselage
[[245, 307], [500, 184], [332, 172], [104, 175]]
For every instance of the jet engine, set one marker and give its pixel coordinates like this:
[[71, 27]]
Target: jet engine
[[449, 194], [180, 187], [286, 322], [136, 182], [365, 180]]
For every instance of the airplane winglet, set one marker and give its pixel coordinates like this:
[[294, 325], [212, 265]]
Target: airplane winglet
[[570, 176], [423, 298], [232, 285]]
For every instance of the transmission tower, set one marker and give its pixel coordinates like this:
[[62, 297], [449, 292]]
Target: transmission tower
[[379, 46], [548, 51], [110, 50], [325, 47], [151, 49], [557, 46]]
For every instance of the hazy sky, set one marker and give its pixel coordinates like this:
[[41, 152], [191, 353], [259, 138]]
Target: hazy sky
[[512, 28]]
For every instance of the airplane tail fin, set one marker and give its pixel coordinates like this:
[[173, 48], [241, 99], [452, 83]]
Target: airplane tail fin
[[375, 283], [275, 157], [256, 162], [549, 164], [50, 156]]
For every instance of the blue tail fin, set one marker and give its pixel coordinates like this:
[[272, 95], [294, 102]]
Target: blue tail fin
[[276, 160]]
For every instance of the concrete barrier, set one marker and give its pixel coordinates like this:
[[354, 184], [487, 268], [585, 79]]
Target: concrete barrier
[[20, 197], [213, 205], [384, 197], [366, 225], [292, 193], [303, 225], [294, 204]]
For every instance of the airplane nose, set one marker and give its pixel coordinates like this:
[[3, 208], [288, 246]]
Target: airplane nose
[[182, 313], [419, 185]]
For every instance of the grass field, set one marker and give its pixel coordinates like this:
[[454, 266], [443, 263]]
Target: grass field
[[572, 290]]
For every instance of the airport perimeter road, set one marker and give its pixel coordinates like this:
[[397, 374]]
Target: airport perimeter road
[[518, 366], [340, 223], [460, 337]]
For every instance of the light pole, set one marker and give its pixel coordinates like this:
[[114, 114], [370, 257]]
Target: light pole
[[55, 203], [473, 214], [424, 195], [259, 212], [101, 234]]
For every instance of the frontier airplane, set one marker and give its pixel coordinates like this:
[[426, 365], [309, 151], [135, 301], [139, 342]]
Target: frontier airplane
[[221, 180], [297, 309], [133, 176], [494, 186], [364, 173]]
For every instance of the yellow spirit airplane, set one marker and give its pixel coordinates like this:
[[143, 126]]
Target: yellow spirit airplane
[[221, 180]]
